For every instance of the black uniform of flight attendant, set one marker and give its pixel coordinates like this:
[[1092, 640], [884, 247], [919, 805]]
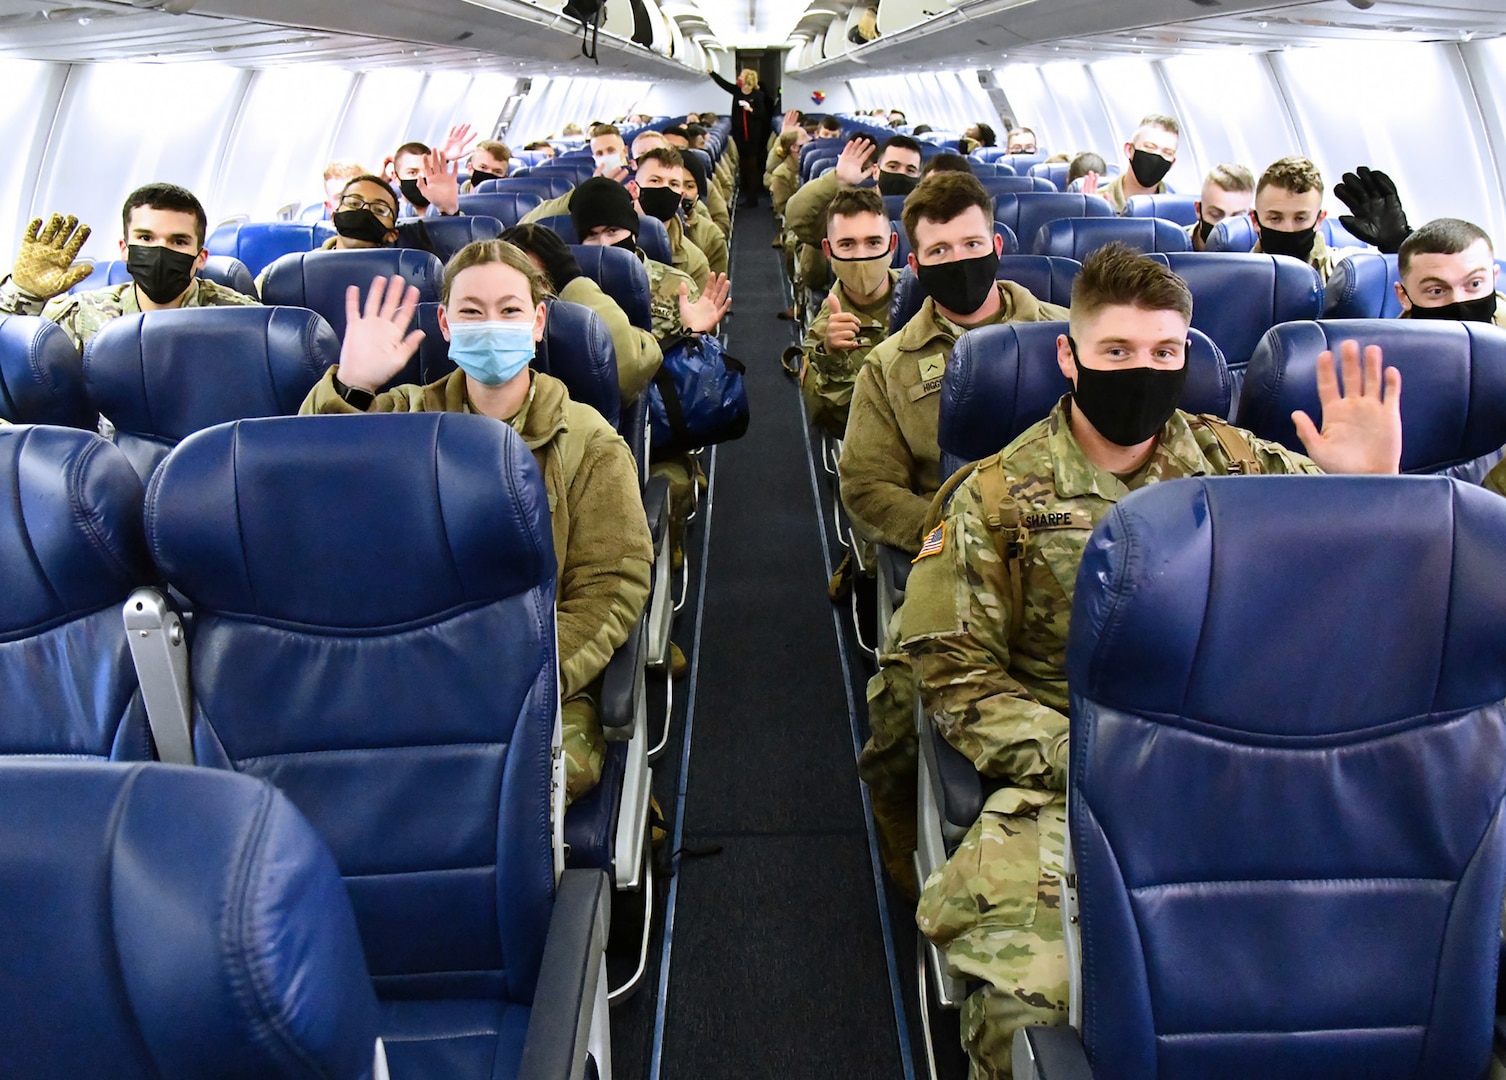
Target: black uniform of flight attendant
[[751, 112]]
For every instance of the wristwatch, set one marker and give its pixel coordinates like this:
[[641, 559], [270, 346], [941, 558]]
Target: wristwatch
[[353, 396]]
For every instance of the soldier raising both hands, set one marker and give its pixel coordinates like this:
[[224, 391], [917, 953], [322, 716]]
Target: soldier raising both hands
[[162, 245], [985, 617]]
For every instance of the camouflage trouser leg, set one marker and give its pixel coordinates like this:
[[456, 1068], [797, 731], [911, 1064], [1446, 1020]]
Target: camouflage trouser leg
[[888, 761], [996, 905], [584, 746], [683, 475]]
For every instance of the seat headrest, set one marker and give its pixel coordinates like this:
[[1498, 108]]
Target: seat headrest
[[1238, 296], [1003, 378], [167, 374], [1077, 238], [507, 207], [1027, 212], [1361, 287], [1049, 279], [231, 273], [191, 918], [448, 235], [41, 375], [1181, 209], [1453, 378], [622, 276], [1055, 172], [1014, 185], [318, 279], [258, 244], [1349, 603], [538, 182], [1233, 234], [351, 523], [73, 542]]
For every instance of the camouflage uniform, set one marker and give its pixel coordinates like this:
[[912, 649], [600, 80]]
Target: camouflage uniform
[[705, 234], [688, 259], [84, 314], [784, 181], [993, 680], [805, 218], [716, 206], [664, 292], [1323, 258], [826, 379], [601, 542], [559, 206], [889, 469], [1114, 193], [638, 354]]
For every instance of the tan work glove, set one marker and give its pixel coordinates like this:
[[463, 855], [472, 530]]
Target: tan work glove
[[44, 268]]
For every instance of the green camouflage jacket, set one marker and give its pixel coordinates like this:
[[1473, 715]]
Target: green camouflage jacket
[[1001, 697], [890, 465], [827, 378], [84, 314], [664, 292]]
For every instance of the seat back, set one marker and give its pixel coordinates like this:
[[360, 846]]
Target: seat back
[[318, 279], [1003, 378], [449, 234], [192, 919], [258, 244], [1077, 238], [388, 661], [990, 154], [901, 257], [817, 148], [1055, 172], [1238, 296], [220, 269], [1454, 374], [576, 349], [508, 207], [1014, 185], [1048, 279], [653, 237], [162, 375], [1362, 286], [1027, 213], [622, 276], [822, 165], [528, 158], [545, 185], [71, 552], [1020, 163], [41, 375], [576, 170], [1179, 208], [1290, 856]]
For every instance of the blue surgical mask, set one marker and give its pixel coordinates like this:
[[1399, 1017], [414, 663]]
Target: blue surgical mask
[[491, 352]]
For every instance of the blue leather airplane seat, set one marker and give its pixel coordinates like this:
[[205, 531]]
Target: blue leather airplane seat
[[1362, 286], [162, 375], [1047, 277], [449, 234], [508, 207], [1290, 856], [41, 375], [1027, 213], [622, 276], [258, 244], [653, 237], [1003, 378], [1015, 185], [545, 185], [1077, 238], [71, 552], [318, 279], [1178, 208], [1453, 375], [160, 921]]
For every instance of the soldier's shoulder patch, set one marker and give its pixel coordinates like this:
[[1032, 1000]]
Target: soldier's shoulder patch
[[935, 540]]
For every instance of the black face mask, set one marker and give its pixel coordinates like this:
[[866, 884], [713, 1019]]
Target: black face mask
[[961, 286], [361, 225], [1299, 244], [893, 183], [1480, 309], [628, 243], [412, 194], [160, 272], [687, 205], [1128, 406], [1205, 229], [659, 202], [479, 177], [1149, 169]]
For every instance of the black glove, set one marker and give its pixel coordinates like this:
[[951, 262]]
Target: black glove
[[559, 262], [1376, 215]]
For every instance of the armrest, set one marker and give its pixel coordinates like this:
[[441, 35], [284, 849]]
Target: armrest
[[1049, 1053], [559, 1024], [894, 565], [958, 785], [656, 506], [619, 682]]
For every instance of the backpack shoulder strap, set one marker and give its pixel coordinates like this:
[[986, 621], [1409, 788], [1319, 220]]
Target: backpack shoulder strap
[[1236, 448], [1001, 513]]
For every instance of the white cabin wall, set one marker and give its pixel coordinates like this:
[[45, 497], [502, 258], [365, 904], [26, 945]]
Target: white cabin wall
[[838, 96], [947, 100], [25, 131], [554, 102]]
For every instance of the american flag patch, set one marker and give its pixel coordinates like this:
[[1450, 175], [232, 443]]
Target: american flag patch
[[934, 542]]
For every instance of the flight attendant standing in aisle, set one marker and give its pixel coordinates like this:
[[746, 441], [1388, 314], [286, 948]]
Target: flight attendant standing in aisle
[[751, 110]]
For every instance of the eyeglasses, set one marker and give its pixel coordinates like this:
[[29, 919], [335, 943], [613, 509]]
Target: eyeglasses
[[380, 209]]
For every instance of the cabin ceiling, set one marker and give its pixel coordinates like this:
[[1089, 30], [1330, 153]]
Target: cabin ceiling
[[990, 33]]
